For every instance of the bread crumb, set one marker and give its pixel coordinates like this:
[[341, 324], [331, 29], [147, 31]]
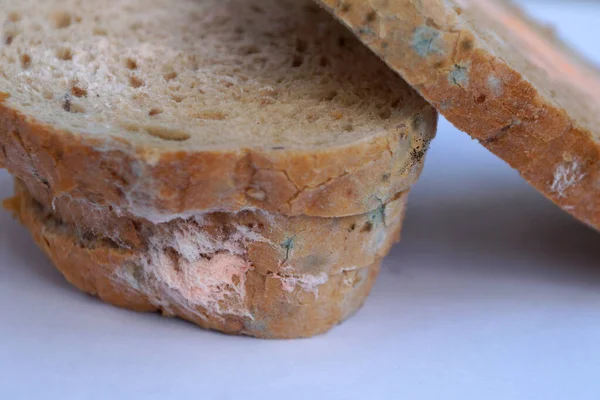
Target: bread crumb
[[210, 115], [60, 19], [64, 53], [165, 133], [78, 91], [135, 82], [337, 114]]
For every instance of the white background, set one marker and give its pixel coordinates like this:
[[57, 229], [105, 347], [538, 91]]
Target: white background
[[494, 293]]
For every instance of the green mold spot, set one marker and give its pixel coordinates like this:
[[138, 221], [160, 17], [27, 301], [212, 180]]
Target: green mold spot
[[459, 76], [445, 105], [365, 30], [257, 326], [427, 41], [288, 245], [377, 216]]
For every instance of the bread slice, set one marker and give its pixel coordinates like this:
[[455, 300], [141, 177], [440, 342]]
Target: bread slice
[[503, 78], [250, 273], [160, 109]]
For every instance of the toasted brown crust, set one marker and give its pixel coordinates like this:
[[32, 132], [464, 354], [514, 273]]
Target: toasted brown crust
[[333, 182], [289, 289], [444, 59]]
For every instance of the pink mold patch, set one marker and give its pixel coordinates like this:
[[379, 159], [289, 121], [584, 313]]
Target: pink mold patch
[[217, 284]]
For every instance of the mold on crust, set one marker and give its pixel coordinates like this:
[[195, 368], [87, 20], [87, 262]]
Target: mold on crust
[[270, 243], [203, 105], [503, 78], [308, 283], [565, 176], [185, 275], [426, 41]]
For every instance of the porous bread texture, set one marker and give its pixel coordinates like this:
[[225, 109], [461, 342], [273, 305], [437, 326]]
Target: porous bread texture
[[503, 78], [185, 271], [228, 74], [186, 105]]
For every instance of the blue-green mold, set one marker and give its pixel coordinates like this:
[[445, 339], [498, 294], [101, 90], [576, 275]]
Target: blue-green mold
[[427, 41], [459, 75]]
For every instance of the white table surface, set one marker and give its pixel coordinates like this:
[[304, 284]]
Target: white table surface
[[494, 293]]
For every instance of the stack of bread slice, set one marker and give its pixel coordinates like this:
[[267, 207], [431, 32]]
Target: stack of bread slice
[[242, 164]]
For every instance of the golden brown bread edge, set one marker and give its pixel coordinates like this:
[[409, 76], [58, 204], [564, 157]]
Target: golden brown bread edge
[[262, 285], [545, 138], [334, 182]]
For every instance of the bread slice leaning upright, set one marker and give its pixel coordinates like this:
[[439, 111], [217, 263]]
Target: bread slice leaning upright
[[503, 78], [242, 164]]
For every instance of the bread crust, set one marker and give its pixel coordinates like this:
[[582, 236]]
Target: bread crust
[[440, 54], [271, 243], [334, 182], [265, 286]]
